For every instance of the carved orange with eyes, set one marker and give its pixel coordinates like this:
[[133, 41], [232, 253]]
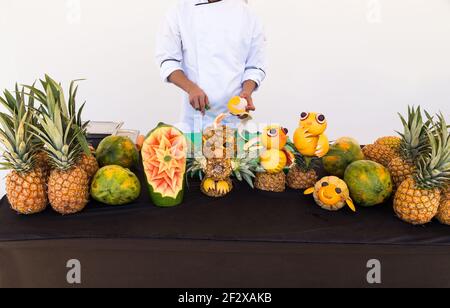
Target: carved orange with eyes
[[331, 193], [309, 138], [274, 137]]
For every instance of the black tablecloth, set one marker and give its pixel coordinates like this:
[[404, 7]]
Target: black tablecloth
[[282, 223]]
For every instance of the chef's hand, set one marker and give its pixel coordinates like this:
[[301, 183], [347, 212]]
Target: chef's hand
[[198, 99], [248, 88]]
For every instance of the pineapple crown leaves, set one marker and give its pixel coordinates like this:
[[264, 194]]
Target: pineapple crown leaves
[[303, 162], [195, 166], [16, 104], [414, 137], [18, 143], [434, 168], [245, 168], [54, 98], [59, 139]]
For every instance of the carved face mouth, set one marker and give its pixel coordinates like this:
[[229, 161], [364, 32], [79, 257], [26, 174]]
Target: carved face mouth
[[330, 194]]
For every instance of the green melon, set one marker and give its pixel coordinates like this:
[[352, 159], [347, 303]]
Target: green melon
[[117, 150], [164, 157], [342, 153], [369, 182], [114, 185]]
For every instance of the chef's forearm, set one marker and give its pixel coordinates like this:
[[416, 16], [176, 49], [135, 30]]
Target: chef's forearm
[[179, 79], [249, 86]]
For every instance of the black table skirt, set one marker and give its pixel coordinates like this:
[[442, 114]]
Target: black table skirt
[[247, 239]]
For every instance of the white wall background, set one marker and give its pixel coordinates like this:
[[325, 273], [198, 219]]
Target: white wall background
[[357, 61]]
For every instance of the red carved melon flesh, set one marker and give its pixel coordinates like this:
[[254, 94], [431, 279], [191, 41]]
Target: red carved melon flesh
[[164, 156]]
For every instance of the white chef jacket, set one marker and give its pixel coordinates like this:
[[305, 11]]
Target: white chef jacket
[[218, 45]]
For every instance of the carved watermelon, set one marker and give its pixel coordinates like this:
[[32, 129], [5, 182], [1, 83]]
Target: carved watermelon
[[164, 156]]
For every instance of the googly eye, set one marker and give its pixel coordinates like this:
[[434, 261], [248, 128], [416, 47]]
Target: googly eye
[[304, 116], [338, 190], [227, 145], [325, 184], [320, 118], [272, 132]]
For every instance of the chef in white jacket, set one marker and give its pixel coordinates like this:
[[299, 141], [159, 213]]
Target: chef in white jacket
[[213, 50]]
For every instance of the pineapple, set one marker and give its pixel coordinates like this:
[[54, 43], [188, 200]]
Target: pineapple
[[219, 147], [393, 142], [273, 182], [400, 170], [218, 168], [64, 142], [26, 187], [55, 94], [444, 209], [418, 198], [414, 143], [68, 185], [217, 182], [301, 175], [379, 153], [88, 163], [43, 163]]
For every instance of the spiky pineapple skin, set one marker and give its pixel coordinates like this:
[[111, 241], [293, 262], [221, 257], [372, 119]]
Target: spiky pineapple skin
[[27, 193], [301, 179], [414, 205], [89, 164], [42, 162], [400, 170], [68, 191], [273, 182], [393, 142], [218, 168], [381, 154], [443, 214]]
